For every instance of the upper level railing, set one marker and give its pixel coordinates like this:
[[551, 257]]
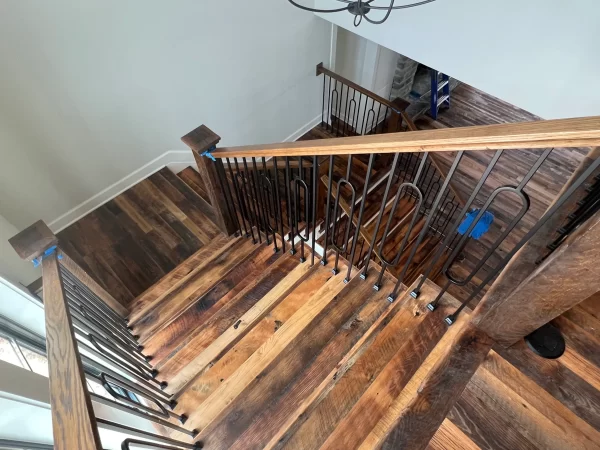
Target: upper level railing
[[93, 357]]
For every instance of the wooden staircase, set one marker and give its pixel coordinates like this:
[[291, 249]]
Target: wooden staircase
[[263, 352]]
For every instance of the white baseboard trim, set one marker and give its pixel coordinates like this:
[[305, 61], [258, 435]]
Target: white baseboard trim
[[303, 129], [175, 160], [172, 159]]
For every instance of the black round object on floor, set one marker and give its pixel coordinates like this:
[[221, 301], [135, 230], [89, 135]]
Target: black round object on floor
[[547, 342]]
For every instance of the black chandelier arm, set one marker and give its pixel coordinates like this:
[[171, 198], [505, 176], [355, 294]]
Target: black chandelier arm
[[412, 5], [377, 22], [306, 8]]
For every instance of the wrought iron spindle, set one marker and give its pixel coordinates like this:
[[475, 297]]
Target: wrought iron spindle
[[298, 184], [415, 214], [288, 190], [260, 199], [227, 193], [315, 181], [518, 190], [360, 216], [269, 198], [253, 198], [278, 200], [451, 235], [246, 194], [540, 223], [241, 205], [346, 234], [327, 211], [415, 246], [363, 275]]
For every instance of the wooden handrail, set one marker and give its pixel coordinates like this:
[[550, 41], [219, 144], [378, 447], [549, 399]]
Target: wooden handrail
[[73, 420], [357, 87], [578, 132]]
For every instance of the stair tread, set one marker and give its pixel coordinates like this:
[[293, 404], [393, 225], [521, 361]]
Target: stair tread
[[142, 302], [184, 196], [188, 325], [174, 302], [194, 180], [231, 323]]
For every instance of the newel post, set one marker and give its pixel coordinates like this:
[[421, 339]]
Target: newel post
[[73, 421], [201, 140]]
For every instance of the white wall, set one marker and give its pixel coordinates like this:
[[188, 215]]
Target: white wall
[[541, 55], [91, 91], [370, 65]]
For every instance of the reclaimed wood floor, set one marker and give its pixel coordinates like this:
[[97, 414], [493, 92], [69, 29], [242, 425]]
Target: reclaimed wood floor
[[134, 240], [262, 351]]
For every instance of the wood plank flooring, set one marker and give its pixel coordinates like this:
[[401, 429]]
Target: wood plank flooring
[[134, 240]]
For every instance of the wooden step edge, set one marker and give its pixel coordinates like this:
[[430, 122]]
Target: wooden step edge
[[243, 251], [234, 385], [420, 409], [234, 333], [198, 188], [144, 303], [206, 209], [362, 344]]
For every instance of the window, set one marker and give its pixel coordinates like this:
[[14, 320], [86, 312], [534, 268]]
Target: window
[[15, 352]]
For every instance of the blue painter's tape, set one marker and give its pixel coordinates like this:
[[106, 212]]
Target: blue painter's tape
[[208, 154], [37, 261], [482, 226]]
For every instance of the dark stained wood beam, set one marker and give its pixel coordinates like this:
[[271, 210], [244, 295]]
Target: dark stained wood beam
[[569, 276], [200, 140]]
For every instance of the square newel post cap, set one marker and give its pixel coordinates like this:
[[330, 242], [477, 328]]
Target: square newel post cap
[[33, 241], [201, 139]]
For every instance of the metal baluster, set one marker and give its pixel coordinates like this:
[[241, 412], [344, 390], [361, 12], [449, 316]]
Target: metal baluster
[[413, 186], [252, 222], [558, 204], [360, 215], [450, 236], [253, 200], [357, 113], [279, 208], [243, 210], [227, 193], [363, 275], [289, 204], [315, 181], [346, 110], [329, 100], [323, 108], [455, 164], [343, 248], [324, 259], [260, 199], [269, 203], [297, 182]]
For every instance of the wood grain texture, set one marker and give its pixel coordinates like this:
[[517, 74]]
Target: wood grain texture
[[33, 240], [175, 276], [283, 411], [580, 132], [568, 277], [234, 385], [200, 140], [234, 333], [73, 421], [131, 242], [89, 282], [188, 325], [450, 437], [443, 385], [176, 301]]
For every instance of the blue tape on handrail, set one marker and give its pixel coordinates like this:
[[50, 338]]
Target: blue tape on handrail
[[49, 251], [208, 154]]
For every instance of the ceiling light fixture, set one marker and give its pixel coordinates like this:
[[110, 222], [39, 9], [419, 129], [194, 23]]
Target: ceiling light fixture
[[360, 9]]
